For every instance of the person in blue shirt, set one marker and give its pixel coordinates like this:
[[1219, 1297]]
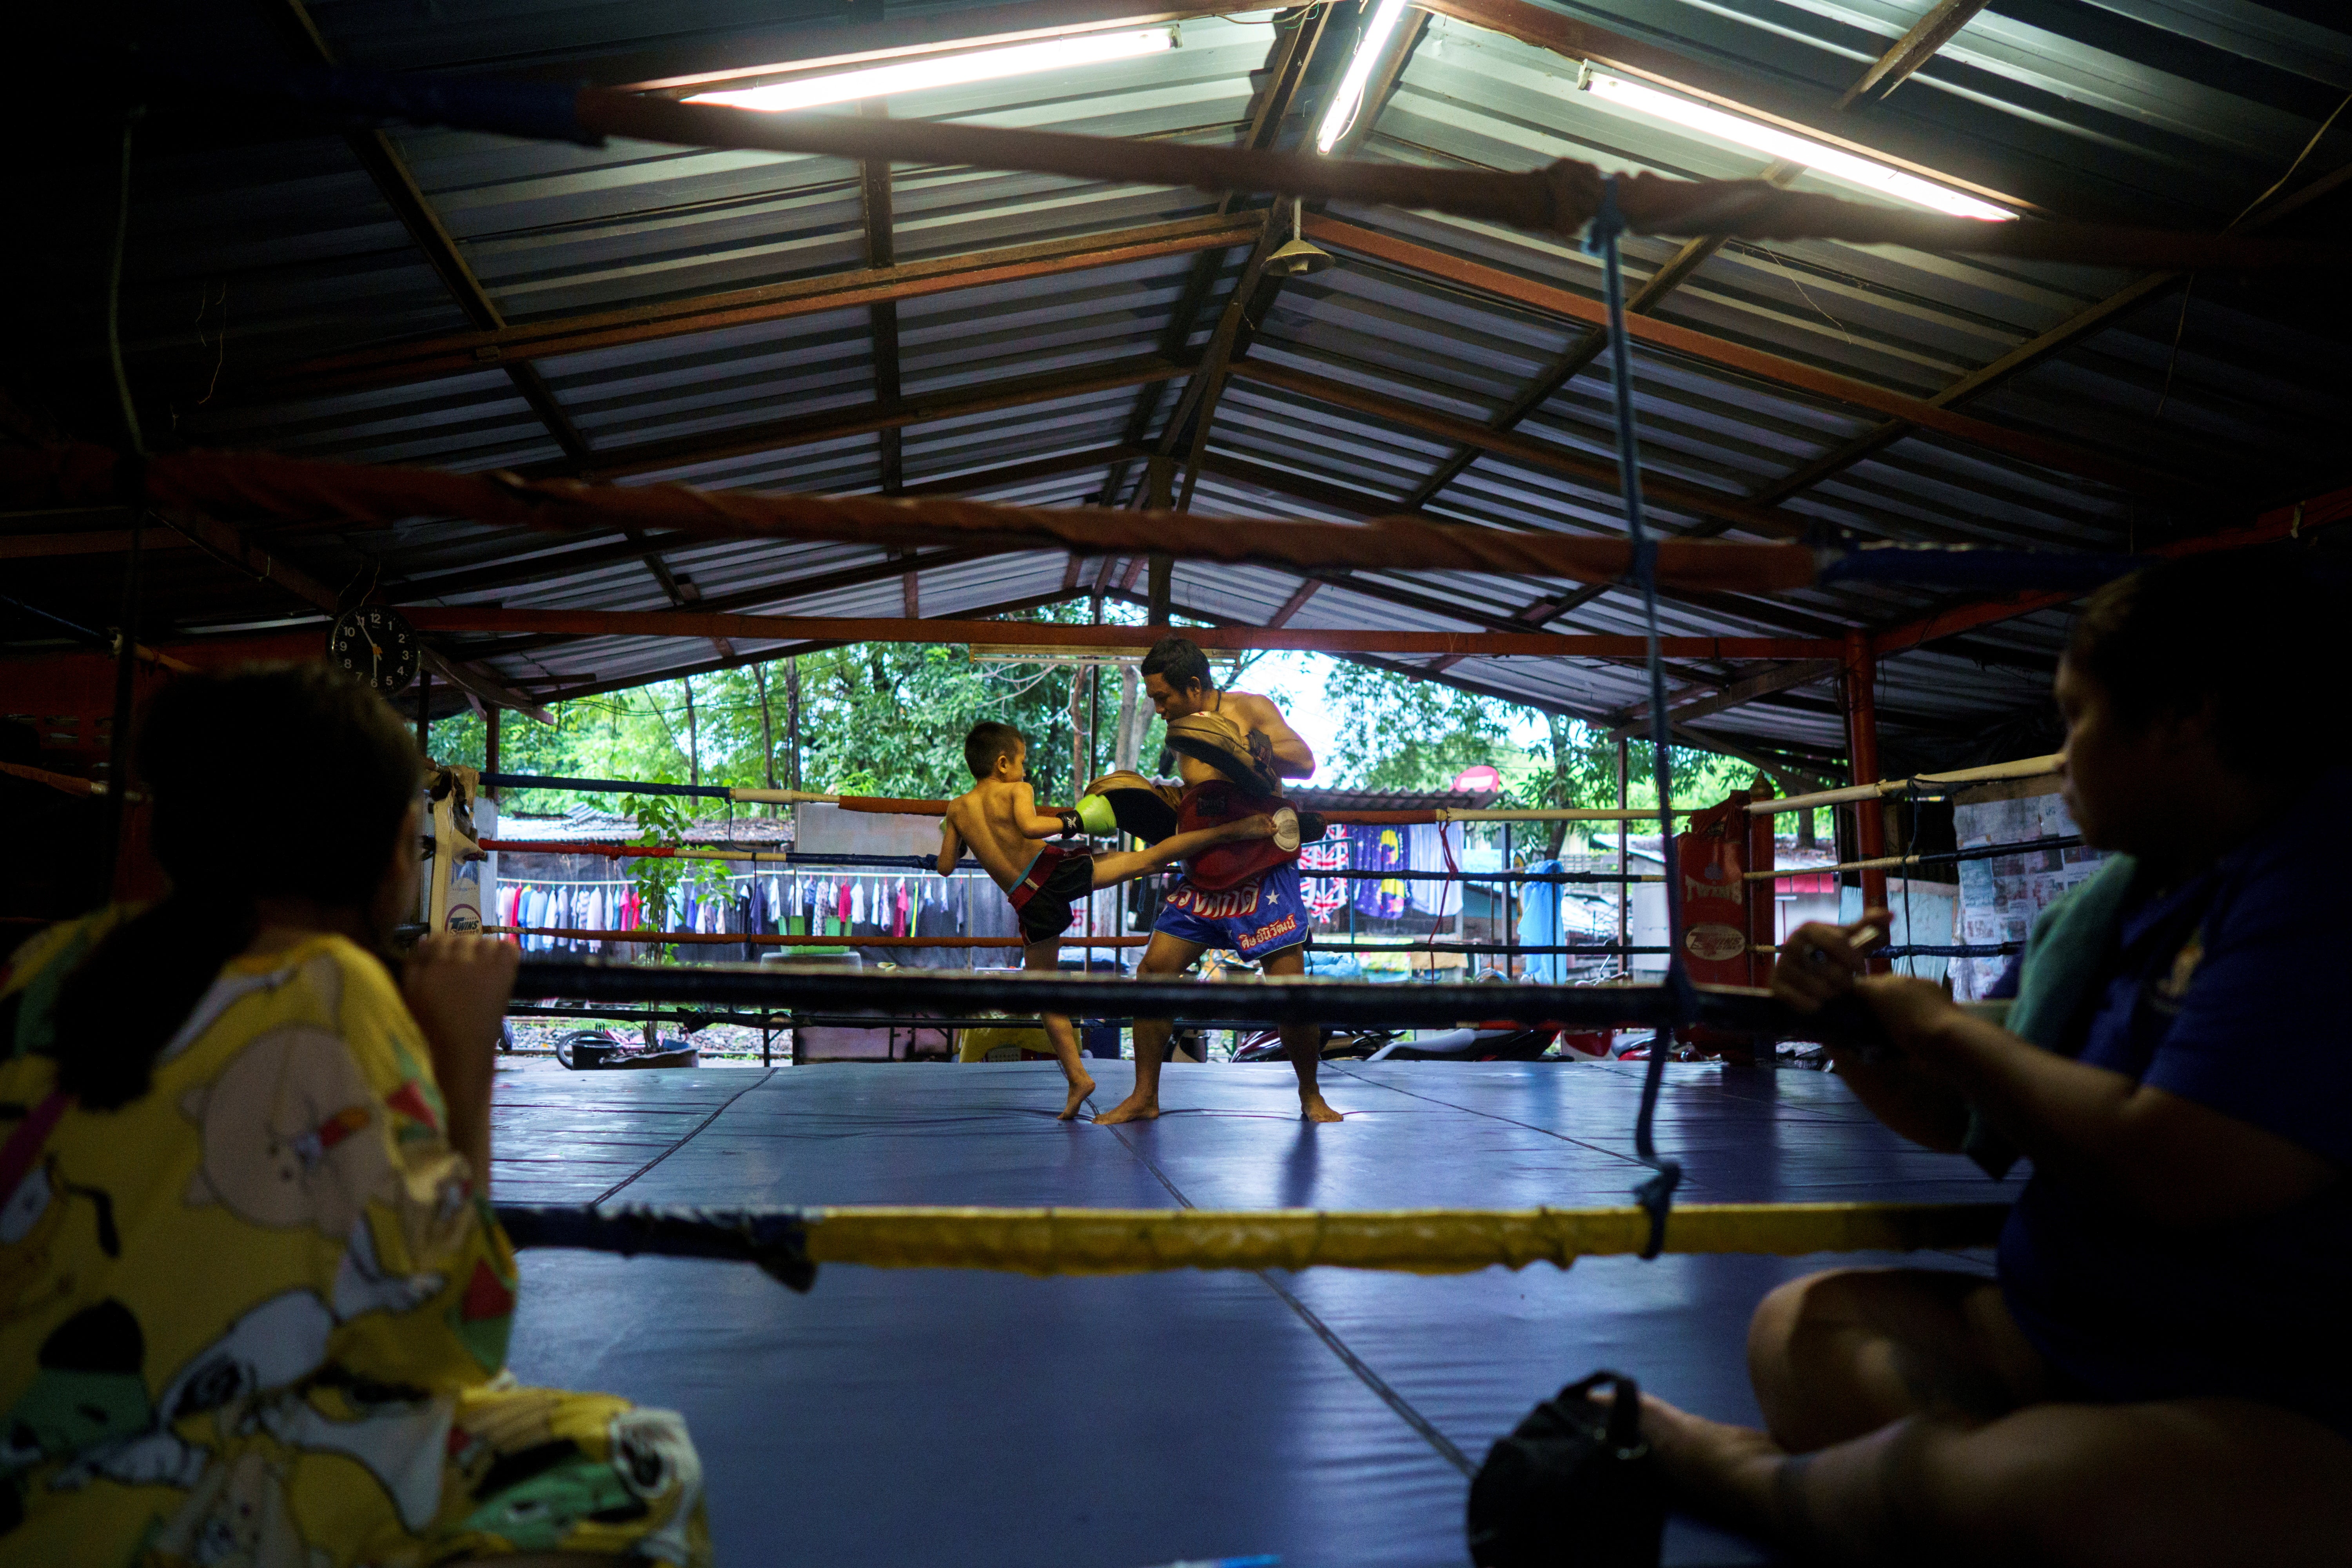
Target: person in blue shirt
[[2161, 1370]]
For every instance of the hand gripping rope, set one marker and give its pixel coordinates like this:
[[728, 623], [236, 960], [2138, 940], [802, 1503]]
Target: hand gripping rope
[[1656, 1195]]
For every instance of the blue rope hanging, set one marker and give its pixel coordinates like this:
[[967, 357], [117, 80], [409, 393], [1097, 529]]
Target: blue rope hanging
[[1656, 1195]]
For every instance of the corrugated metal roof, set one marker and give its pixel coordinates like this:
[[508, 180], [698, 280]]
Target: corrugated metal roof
[[2177, 111]]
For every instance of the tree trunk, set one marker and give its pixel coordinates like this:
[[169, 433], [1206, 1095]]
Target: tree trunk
[[793, 721], [767, 731], [1127, 739], [1558, 779], [693, 745], [1078, 737]]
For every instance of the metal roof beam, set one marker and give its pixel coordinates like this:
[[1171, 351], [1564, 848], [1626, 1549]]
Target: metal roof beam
[[857, 576], [2281, 522], [699, 624], [229, 544], [1254, 296], [1763, 614], [2083, 323], [1267, 112], [397, 184], [1601, 475], [1794, 375], [465, 354], [775, 436], [598, 688], [1911, 51], [1635, 722]]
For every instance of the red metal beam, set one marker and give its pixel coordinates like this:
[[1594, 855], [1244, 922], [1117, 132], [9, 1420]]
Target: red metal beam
[[1552, 300], [799, 628], [2280, 522]]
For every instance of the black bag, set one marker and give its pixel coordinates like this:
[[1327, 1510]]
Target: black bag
[[1573, 1484]]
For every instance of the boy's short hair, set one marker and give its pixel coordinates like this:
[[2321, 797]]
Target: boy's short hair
[[1179, 661], [989, 741]]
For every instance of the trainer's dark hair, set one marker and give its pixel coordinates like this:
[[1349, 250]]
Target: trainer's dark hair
[[989, 741], [2244, 632], [274, 779], [1179, 661]]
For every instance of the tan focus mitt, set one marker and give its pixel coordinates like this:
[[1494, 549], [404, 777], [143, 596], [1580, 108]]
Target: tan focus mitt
[[1218, 742], [1139, 806]]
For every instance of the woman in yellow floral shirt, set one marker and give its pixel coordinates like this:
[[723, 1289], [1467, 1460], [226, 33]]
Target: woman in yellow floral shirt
[[253, 1303]]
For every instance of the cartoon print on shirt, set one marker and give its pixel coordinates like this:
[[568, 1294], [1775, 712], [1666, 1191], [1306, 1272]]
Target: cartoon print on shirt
[[238, 1519], [90, 1390], [33, 1217], [273, 1345], [287, 1135]]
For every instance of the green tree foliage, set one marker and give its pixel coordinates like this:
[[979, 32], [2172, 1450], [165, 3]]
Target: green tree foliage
[[875, 719], [1397, 733], [889, 719]]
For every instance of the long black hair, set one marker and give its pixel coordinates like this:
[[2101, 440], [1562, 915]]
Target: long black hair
[[2251, 633], [276, 779]]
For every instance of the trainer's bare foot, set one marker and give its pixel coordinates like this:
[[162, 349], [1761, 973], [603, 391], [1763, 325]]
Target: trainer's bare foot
[[1704, 1460], [1080, 1086], [1313, 1107], [1134, 1108]]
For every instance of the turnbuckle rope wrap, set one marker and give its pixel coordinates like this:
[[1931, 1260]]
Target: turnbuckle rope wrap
[[1657, 1193]]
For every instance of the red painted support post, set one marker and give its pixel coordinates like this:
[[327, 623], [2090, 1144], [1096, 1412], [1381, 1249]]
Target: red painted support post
[[1859, 681], [1763, 907]]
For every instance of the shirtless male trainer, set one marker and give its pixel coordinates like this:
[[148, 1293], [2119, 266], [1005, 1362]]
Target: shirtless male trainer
[[1265, 919]]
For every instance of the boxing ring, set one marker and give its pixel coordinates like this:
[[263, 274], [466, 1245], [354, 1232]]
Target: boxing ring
[[998, 1408], [983, 1417]]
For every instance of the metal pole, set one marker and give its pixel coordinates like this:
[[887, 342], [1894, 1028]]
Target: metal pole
[[1508, 927], [1624, 888], [425, 713], [490, 745], [118, 744]]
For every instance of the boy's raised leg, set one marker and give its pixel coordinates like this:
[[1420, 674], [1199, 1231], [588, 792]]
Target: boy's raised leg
[[1128, 864], [1059, 1031]]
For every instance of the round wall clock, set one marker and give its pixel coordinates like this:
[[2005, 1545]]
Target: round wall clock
[[376, 646]]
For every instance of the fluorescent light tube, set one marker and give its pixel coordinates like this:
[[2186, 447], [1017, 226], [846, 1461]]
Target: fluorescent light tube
[[1837, 164], [946, 70], [1350, 98]]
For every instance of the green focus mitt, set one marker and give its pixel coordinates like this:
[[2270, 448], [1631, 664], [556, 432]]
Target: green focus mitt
[[1095, 816]]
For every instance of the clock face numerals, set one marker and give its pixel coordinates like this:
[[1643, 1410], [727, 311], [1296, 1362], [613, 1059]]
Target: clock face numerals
[[375, 647]]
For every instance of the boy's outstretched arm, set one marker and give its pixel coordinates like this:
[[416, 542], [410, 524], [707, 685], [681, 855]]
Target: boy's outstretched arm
[[1036, 824], [951, 847]]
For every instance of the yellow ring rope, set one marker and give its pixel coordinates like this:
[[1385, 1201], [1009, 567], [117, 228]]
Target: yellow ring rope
[[1044, 1241]]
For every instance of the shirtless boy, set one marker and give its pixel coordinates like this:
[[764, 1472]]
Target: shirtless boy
[[1265, 919], [998, 818]]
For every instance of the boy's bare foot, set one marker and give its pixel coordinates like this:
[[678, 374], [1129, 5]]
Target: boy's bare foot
[[1134, 1108], [1313, 1107], [1080, 1086]]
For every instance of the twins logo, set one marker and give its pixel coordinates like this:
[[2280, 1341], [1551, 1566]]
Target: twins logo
[[1233, 905]]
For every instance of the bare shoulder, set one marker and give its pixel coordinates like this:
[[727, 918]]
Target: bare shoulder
[[1251, 711]]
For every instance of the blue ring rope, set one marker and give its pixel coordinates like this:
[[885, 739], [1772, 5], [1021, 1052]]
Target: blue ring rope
[[1656, 1195]]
